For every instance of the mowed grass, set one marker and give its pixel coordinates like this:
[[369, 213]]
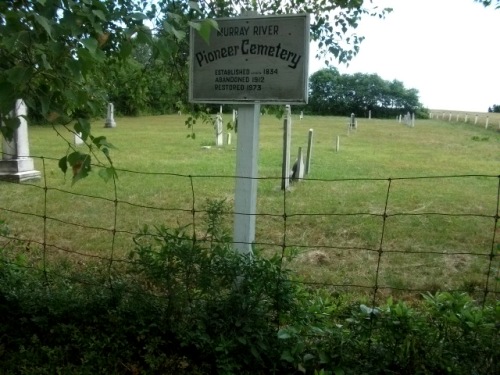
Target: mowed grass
[[395, 206]]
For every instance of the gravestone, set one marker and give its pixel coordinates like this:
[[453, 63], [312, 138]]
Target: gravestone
[[301, 115], [475, 120], [16, 164], [309, 152], [487, 122], [110, 117], [337, 149], [219, 134], [353, 123], [466, 117], [78, 139], [370, 114], [228, 139], [297, 172], [413, 120]]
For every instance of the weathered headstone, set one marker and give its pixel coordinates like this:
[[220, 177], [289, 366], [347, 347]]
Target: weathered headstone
[[337, 149], [487, 121], [219, 134], [301, 115], [297, 172], [110, 117], [413, 120], [475, 120], [16, 164], [370, 114], [400, 119], [466, 118], [449, 116], [228, 138], [309, 151]]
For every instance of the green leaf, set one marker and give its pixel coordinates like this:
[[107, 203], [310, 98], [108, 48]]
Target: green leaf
[[63, 164], [287, 356], [194, 6], [44, 22], [91, 44], [99, 14], [18, 75], [283, 334], [82, 126], [206, 28], [107, 173]]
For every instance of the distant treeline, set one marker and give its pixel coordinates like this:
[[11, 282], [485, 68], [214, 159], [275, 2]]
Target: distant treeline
[[332, 93], [495, 108]]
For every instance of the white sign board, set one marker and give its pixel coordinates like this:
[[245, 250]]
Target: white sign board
[[254, 59]]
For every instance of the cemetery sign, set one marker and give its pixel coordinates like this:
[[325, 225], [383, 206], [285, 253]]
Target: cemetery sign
[[251, 59]]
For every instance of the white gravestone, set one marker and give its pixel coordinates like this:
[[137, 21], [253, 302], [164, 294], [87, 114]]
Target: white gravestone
[[78, 139], [110, 117], [219, 134], [16, 164], [487, 122], [301, 115]]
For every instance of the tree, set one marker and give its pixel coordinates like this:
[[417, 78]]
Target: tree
[[56, 54], [487, 3], [332, 93]]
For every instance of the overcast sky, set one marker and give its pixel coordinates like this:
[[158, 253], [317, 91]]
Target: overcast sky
[[449, 50]]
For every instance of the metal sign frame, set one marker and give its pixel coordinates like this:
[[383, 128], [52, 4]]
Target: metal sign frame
[[251, 59]]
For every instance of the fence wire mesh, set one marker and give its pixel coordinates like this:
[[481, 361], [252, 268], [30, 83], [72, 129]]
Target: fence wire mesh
[[394, 242]]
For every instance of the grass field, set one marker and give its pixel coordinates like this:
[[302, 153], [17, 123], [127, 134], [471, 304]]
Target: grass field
[[399, 207]]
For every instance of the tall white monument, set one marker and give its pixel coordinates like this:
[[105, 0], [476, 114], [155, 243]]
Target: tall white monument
[[16, 164]]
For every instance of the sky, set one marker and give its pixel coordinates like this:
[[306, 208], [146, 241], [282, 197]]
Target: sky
[[449, 50]]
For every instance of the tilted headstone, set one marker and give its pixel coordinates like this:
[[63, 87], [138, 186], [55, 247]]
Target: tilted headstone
[[16, 164], [110, 117]]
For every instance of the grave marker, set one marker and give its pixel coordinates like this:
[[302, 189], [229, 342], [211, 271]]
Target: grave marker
[[16, 164], [309, 151], [297, 172], [475, 120], [78, 139], [110, 117], [219, 132]]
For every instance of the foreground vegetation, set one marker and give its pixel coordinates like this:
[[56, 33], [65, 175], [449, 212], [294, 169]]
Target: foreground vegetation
[[182, 307]]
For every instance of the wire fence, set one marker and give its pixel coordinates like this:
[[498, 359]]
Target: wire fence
[[377, 236]]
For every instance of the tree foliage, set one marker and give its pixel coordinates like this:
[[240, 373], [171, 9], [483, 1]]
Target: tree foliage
[[67, 58], [332, 93], [494, 108]]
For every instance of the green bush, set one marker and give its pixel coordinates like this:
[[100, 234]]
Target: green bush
[[189, 305]]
